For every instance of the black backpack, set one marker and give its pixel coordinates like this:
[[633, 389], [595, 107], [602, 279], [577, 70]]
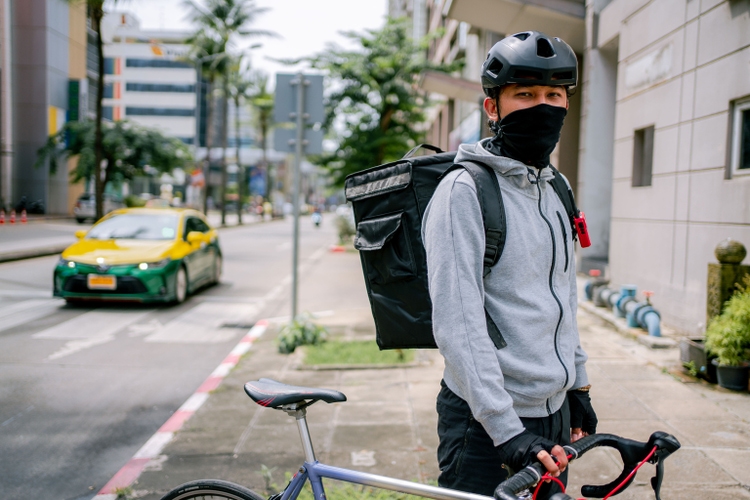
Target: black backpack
[[389, 202]]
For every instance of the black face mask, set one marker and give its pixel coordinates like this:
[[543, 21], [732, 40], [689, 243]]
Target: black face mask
[[529, 135]]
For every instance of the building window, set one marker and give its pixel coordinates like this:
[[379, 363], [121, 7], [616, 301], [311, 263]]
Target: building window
[[109, 91], [159, 87], [156, 63], [643, 156], [109, 66], [741, 137], [107, 112], [137, 111]]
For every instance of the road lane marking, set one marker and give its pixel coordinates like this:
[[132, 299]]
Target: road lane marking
[[150, 453], [202, 324], [89, 329], [24, 312]]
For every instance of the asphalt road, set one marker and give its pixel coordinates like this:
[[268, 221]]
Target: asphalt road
[[83, 388]]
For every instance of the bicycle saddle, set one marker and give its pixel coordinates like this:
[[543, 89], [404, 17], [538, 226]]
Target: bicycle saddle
[[273, 394]]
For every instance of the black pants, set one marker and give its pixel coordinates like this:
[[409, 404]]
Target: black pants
[[467, 457]]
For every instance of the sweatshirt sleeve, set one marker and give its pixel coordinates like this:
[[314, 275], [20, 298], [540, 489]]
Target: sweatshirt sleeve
[[453, 235]]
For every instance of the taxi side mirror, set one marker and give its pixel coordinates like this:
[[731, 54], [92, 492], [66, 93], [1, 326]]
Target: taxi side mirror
[[80, 233], [196, 237]]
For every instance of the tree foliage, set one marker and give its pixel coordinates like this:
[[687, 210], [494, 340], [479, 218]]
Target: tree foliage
[[129, 150], [375, 98]]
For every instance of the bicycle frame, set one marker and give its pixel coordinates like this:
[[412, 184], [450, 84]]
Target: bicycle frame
[[316, 471]]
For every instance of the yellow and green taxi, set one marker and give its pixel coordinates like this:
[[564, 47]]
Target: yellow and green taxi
[[140, 254]]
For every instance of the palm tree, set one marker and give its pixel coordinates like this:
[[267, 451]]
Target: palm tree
[[262, 102], [223, 21], [210, 56], [239, 86], [95, 10]]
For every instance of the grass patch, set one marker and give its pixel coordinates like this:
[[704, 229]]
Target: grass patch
[[357, 352]]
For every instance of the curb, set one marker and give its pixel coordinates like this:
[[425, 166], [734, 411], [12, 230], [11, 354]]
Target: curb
[[32, 253], [132, 470]]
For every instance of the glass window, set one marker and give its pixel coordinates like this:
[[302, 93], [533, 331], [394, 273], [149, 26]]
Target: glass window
[[109, 66], [643, 156], [109, 90], [155, 63], [138, 111], [107, 112], [159, 87], [741, 137], [136, 227]]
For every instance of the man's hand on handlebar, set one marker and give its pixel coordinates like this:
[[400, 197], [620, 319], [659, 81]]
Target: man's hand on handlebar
[[526, 448], [555, 463]]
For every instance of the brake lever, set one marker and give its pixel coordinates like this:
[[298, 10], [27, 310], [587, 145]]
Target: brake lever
[[666, 444]]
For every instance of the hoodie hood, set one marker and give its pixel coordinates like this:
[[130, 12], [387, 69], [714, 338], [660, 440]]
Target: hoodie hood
[[503, 165]]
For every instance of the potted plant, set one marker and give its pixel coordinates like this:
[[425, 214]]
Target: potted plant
[[728, 337]]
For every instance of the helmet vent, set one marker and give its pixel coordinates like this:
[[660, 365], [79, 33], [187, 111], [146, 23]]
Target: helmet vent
[[522, 36], [544, 48], [495, 67], [525, 74], [562, 75]]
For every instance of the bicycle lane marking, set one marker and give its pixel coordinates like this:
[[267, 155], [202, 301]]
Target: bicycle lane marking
[[127, 475]]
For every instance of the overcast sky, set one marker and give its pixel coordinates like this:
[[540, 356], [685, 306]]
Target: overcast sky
[[304, 26]]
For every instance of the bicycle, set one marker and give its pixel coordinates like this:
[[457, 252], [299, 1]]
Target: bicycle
[[294, 401]]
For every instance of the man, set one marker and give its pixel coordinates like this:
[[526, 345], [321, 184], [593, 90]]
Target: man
[[506, 407]]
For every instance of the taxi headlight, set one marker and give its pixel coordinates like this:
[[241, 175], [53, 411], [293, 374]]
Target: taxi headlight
[[66, 263], [153, 265]]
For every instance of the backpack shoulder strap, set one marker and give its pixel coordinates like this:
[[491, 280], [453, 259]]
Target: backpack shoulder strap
[[566, 196], [493, 215], [493, 210]]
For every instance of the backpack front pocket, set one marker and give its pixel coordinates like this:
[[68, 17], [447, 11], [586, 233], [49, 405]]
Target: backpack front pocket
[[385, 249]]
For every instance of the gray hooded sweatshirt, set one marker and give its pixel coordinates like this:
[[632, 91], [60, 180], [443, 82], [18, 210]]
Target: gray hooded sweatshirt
[[530, 294]]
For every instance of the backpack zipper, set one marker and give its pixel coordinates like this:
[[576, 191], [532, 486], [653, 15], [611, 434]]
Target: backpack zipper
[[565, 240], [551, 288]]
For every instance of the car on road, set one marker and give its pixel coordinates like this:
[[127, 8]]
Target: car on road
[[85, 207], [140, 254]]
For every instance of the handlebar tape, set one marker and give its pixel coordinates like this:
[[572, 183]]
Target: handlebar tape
[[524, 479]]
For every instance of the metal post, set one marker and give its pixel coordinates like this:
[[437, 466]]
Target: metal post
[[296, 189], [6, 107], [197, 141]]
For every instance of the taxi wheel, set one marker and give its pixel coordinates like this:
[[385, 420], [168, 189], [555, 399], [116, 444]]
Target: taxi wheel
[[180, 286], [216, 275]]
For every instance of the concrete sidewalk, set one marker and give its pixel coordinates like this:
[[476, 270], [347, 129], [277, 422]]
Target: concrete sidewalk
[[388, 424]]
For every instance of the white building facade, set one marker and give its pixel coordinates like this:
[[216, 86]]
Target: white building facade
[[149, 81]]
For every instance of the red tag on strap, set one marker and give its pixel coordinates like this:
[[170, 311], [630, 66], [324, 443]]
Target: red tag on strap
[[582, 230]]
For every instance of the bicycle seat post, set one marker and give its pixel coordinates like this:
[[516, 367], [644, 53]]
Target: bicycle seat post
[[299, 412]]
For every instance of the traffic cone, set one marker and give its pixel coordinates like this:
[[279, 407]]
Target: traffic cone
[[2, 216], [23, 216], [12, 217]]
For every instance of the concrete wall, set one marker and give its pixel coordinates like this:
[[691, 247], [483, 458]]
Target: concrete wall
[[680, 64]]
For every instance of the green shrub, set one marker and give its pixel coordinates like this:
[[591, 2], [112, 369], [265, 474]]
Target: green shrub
[[728, 335], [345, 228], [134, 201], [301, 331]]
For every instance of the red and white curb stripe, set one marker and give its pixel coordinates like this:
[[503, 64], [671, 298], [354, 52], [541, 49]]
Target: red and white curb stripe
[[154, 446]]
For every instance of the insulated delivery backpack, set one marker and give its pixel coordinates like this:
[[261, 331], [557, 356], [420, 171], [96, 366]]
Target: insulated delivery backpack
[[389, 202]]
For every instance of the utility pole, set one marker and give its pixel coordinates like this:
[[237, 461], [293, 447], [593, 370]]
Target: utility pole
[[304, 104], [6, 106]]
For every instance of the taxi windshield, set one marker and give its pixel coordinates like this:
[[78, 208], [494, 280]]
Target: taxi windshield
[[136, 227]]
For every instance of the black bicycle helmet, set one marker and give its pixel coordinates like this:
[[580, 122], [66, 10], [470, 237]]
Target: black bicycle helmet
[[529, 57]]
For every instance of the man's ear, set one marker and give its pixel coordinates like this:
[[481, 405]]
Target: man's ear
[[490, 107]]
